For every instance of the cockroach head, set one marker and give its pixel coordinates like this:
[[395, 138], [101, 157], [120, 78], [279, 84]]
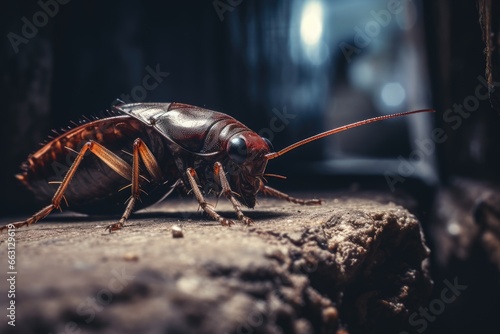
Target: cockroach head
[[246, 147], [247, 153]]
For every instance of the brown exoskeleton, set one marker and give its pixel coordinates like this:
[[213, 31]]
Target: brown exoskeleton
[[177, 145]]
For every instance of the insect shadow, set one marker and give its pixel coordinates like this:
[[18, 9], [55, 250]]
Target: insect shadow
[[156, 216]]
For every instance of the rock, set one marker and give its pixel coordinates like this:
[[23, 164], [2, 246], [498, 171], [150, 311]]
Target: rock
[[177, 232], [350, 265]]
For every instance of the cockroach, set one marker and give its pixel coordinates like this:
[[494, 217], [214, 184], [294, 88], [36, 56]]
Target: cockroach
[[173, 145]]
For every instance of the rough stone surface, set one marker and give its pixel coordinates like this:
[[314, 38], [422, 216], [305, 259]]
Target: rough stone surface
[[349, 265]]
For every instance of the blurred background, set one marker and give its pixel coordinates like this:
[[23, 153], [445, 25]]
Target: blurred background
[[288, 70]]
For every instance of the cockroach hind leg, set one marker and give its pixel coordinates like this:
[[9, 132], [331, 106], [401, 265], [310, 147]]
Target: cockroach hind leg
[[32, 220], [128, 211], [276, 193], [112, 160], [140, 153], [15, 225], [114, 227]]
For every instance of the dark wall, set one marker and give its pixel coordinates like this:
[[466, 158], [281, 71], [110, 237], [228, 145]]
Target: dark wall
[[91, 52], [88, 53]]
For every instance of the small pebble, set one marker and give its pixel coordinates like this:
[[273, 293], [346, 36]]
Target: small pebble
[[177, 232], [131, 257]]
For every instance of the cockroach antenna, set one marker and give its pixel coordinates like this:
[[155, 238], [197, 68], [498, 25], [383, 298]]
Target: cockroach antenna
[[273, 155]]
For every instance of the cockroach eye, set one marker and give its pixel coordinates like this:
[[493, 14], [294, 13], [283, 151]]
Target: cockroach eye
[[237, 150], [269, 144]]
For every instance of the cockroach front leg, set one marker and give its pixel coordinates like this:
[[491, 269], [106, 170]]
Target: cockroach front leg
[[276, 193], [207, 207], [226, 190]]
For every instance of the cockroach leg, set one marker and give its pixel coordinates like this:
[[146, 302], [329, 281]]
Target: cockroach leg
[[33, 219], [148, 159], [207, 207], [112, 160], [140, 151], [276, 193], [226, 190]]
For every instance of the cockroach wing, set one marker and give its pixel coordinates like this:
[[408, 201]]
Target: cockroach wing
[[195, 129]]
